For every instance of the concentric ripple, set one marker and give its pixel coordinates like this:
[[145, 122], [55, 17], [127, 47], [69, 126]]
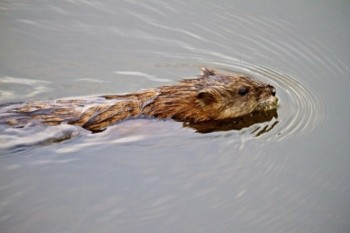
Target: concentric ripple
[[300, 109]]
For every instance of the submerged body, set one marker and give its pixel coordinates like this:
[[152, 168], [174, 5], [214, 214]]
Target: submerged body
[[210, 97]]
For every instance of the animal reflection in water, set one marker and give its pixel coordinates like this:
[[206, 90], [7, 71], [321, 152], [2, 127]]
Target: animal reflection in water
[[211, 102]]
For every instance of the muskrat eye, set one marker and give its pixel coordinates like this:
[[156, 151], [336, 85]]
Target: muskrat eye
[[243, 91]]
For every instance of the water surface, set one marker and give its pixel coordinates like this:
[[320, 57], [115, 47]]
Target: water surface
[[157, 176]]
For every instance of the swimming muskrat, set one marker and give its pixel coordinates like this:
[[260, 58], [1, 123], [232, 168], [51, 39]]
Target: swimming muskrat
[[212, 96]]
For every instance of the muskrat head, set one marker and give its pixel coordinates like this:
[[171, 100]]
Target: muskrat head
[[229, 96]]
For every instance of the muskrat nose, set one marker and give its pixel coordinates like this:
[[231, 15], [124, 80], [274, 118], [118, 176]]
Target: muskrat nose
[[272, 89], [273, 92]]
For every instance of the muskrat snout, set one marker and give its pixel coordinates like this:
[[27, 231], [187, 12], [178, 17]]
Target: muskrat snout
[[270, 101]]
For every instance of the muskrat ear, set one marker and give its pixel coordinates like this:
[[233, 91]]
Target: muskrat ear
[[207, 72], [205, 97]]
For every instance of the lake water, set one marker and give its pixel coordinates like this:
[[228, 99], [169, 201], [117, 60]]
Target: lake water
[[157, 176]]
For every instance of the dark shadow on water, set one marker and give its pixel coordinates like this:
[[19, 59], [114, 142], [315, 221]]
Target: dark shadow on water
[[237, 123]]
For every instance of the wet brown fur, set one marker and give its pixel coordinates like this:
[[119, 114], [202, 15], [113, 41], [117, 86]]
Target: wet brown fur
[[211, 96]]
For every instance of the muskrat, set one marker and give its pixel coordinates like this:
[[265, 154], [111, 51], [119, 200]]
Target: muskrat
[[212, 96]]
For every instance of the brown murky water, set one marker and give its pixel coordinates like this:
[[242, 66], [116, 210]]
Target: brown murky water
[[157, 176]]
